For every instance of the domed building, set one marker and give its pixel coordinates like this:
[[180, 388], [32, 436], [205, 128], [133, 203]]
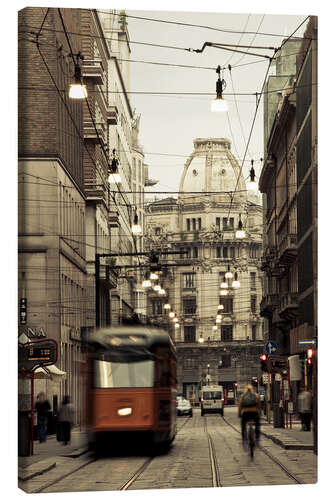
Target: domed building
[[201, 224]]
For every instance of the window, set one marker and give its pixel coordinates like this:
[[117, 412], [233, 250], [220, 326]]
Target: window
[[253, 281], [253, 251], [157, 231], [181, 250], [226, 360], [254, 332], [188, 280], [199, 223], [232, 252], [231, 222], [190, 363], [188, 224], [253, 304], [218, 252], [226, 332], [157, 307], [194, 224], [225, 223], [228, 305], [225, 252], [195, 252], [189, 333], [189, 305], [218, 222], [109, 374]]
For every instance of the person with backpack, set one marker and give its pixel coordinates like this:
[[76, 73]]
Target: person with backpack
[[249, 408]]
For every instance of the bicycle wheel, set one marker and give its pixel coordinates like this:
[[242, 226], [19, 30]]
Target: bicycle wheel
[[251, 440]]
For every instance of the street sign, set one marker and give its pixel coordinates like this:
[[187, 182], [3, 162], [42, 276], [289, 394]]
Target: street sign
[[23, 311], [271, 347], [37, 353], [307, 342]]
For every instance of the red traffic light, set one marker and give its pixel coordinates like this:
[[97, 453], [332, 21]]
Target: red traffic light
[[263, 357], [309, 353]]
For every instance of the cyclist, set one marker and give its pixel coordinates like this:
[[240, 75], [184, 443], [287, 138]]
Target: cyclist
[[249, 408]]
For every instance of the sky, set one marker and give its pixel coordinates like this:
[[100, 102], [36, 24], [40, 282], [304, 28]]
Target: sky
[[170, 123]]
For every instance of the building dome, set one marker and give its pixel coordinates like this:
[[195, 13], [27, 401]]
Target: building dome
[[212, 168]]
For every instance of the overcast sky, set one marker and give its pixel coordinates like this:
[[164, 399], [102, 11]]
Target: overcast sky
[[170, 123]]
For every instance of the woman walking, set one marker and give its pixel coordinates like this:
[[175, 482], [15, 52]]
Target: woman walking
[[42, 408], [65, 421]]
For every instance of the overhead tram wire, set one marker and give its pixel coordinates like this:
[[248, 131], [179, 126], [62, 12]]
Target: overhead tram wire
[[189, 24], [252, 41], [162, 93], [235, 66]]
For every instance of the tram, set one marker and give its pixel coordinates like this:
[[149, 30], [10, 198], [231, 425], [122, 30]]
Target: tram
[[131, 386]]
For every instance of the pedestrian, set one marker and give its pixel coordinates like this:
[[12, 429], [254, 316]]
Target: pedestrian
[[304, 406], [65, 421], [249, 408], [42, 408]]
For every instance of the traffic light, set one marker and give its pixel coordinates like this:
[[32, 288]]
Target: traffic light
[[263, 363], [309, 354]]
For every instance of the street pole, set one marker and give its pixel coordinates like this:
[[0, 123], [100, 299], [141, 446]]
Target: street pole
[[97, 289]]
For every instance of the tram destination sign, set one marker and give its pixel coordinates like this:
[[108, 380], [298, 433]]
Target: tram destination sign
[[37, 353]]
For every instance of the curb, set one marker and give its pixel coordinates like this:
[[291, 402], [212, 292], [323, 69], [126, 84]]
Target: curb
[[33, 471], [288, 446]]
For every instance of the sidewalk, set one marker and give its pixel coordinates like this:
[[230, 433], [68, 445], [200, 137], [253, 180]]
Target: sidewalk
[[45, 454], [290, 439]]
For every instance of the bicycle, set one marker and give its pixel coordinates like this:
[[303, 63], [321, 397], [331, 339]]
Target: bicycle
[[250, 436]]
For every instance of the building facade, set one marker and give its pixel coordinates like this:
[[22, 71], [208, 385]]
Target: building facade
[[289, 183], [200, 225], [68, 210]]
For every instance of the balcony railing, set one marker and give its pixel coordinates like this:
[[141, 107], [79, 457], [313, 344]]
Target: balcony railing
[[112, 115], [288, 249], [268, 304], [93, 70], [94, 135], [288, 307]]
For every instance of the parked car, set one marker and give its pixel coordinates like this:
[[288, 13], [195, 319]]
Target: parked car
[[184, 406]]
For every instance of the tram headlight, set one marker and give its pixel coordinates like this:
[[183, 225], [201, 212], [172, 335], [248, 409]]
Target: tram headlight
[[124, 412]]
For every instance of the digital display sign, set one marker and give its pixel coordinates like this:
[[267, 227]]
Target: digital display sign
[[37, 353]]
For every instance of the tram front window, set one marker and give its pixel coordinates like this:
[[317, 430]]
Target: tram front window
[[111, 374]]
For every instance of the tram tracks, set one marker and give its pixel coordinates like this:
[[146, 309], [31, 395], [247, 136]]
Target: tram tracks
[[268, 454], [91, 459], [216, 480]]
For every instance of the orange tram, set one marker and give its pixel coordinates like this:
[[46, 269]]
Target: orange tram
[[131, 386]]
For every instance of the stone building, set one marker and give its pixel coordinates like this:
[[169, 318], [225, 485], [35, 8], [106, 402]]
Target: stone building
[[289, 185], [52, 211], [68, 211], [202, 222]]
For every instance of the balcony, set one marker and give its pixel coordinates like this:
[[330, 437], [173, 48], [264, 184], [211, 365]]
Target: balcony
[[288, 249], [108, 276], [95, 135], [112, 115], [288, 308], [268, 258], [93, 70], [268, 304]]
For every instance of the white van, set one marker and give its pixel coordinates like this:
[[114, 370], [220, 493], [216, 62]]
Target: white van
[[211, 399]]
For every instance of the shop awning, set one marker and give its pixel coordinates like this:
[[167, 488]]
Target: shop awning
[[51, 372]]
